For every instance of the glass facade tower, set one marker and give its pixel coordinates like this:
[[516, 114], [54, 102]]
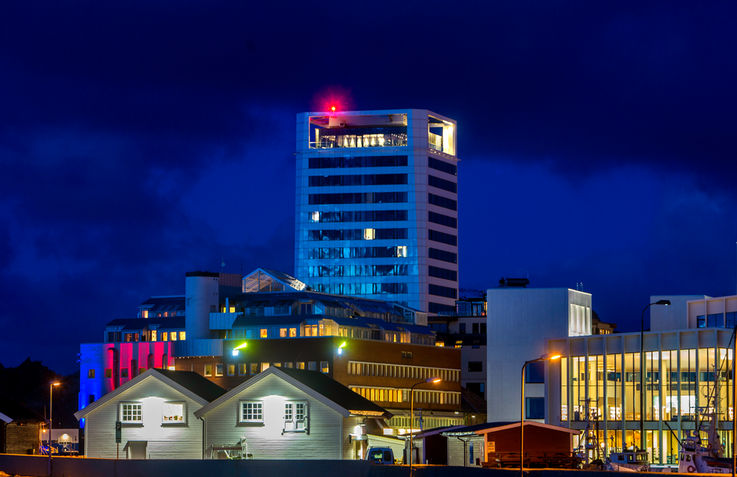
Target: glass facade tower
[[377, 206]]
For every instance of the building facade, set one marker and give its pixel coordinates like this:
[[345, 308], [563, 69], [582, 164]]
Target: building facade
[[377, 206], [687, 382], [520, 321]]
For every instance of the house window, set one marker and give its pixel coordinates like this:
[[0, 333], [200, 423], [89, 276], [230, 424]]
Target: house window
[[242, 369], [182, 335], [295, 416], [292, 332], [300, 365], [90, 373], [264, 333], [131, 413], [254, 368], [124, 372], [173, 413], [535, 408], [173, 336], [108, 373], [251, 411], [219, 369], [282, 332], [312, 365], [324, 367], [231, 370], [208, 370], [164, 336], [153, 335], [476, 366]]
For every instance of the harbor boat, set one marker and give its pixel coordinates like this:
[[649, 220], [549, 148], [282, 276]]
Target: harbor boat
[[695, 458], [628, 461]]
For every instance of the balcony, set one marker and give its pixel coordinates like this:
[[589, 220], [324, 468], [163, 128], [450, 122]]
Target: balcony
[[330, 141]]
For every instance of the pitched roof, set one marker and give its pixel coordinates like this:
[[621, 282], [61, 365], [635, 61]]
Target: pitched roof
[[333, 390], [188, 383], [319, 385], [196, 383]]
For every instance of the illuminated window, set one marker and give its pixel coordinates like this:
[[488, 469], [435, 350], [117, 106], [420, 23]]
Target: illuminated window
[[369, 234], [292, 332], [300, 365], [144, 314], [282, 332], [401, 251], [242, 369], [264, 366], [254, 368], [166, 313], [182, 335], [231, 309], [324, 367], [312, 365], [208, 370], [219, 369], [173, 413], [295, 416], [164, 336], [251, 411], [173, 335], [315, 216], [131, 412], [264, 333], [231, 370], [153, 335], [90, 373]]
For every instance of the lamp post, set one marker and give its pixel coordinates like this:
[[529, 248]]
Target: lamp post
[[522, 409], [412, 413], [51, 425], [642, 369]]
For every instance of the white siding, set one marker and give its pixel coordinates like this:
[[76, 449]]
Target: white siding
[[455, 451], [164, 441], [267, 441]]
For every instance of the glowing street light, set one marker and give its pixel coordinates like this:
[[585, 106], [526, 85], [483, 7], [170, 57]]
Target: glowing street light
[[236, 350], [552, 357], [340, 347], [412, 413], [52, 385]]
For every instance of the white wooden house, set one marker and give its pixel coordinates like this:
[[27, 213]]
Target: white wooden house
[[285, 413], [154, 413]]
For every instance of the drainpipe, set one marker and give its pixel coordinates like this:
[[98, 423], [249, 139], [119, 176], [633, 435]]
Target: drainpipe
[[204, 436]]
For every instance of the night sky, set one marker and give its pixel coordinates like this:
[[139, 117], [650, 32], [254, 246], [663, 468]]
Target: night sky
[[140, 140]]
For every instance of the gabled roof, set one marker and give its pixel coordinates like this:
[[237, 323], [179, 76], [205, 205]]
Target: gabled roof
[[320, 386], [192, 385], [502, 426]]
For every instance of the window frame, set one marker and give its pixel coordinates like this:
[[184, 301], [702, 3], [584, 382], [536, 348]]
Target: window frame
[[291, 420], [175, 423], [130, 422], [241, 421]]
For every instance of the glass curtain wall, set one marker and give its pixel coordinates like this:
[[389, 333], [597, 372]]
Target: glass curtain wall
[[681, 388]]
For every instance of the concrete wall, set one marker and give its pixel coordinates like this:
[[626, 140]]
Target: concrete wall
[[36, 466]]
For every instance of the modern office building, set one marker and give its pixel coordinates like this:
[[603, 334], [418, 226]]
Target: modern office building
[[377, 206], [520, 321], [466, 330], [597, 385]]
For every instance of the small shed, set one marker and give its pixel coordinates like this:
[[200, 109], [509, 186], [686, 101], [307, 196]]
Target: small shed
[[20, 429], [545, 445]]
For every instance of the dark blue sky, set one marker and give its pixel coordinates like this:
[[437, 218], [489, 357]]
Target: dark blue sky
[[140, 140]]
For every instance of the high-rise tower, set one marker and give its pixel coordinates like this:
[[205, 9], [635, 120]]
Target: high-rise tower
[[377, 206]]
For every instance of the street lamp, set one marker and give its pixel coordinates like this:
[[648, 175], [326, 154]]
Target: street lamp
[[552, 357], [642, 369], [51, 402], [412, 413]]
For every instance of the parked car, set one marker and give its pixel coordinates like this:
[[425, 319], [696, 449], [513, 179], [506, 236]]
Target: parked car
[[380, 455]]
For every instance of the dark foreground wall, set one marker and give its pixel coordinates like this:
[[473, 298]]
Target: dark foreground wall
[[37, 466]]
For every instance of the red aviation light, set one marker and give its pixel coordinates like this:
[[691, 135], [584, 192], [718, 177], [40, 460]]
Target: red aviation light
[[332, 108]]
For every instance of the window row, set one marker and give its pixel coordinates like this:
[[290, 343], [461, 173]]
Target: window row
[[449, 186], [717, 320], [358, 216], [441, 308], [146, 335], [357, 271], [357, 234], [245, 369], [441, 219], [421, 396], [359, 198], [295, 416], [443, 202], [356, 161], [361, 288], [357, 180], [443, 273], [363, 368], [442, 255], [399, 251], [441, 237], [171, 413], [442, 166], [361, 140], [446, 292]]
